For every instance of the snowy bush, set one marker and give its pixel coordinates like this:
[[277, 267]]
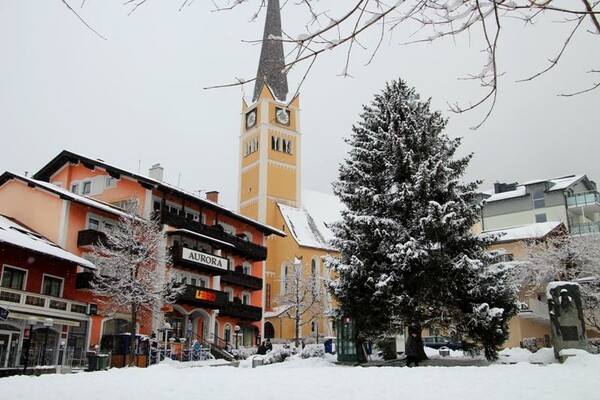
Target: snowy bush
[[312, 350], [276, 356], [530, 344], [594, 345]]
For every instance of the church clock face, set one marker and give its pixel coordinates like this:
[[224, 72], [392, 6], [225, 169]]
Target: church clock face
[[251, 119], [283, 116]]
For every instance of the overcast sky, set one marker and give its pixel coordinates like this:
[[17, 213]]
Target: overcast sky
[[138, 98]]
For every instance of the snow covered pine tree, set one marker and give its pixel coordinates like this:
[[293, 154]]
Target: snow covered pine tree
[[408, 255]]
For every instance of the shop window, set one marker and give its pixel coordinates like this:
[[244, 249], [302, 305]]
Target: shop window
[[52, 286], [13, 278]]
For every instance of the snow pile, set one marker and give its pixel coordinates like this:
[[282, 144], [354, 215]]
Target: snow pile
[[299, 379], [518, 355], [312, 350]]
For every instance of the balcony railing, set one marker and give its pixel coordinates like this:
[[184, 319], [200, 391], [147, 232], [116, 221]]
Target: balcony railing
[[584, 199], [243, 311], [42, 302], [240, 246], [585, 228], [241, 279], [204, 297], [90, 237]]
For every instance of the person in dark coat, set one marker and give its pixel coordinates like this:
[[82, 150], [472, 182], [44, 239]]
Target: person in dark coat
[[413, 349], [262, 349], [268, 345]]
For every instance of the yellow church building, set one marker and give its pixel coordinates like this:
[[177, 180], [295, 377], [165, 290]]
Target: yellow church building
[[270, 192]]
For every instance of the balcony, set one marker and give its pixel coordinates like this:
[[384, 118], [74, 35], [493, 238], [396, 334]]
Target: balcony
[[35, 301], [83, 280], [236, 309], [90, 237], [220, 239], [535, 310], [584, 199], [585, 228], [239, 278], [203, 297]]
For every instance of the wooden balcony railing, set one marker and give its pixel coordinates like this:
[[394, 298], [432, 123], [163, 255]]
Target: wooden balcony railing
[[240, 246]]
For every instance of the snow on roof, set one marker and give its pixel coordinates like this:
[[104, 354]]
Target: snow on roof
[[64, 193], [157, 183], [560, 183], [520, 191], [310, 225], [18, 235], [563, 183], [531, 231]]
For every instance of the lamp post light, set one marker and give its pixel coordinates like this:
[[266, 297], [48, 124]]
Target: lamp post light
[[237, 335], [166, 328], [48, 322], [31, 321]]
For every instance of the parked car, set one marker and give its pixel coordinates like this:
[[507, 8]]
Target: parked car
[[436, 342]]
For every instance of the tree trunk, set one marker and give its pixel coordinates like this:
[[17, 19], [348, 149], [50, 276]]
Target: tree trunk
[[132, 335]]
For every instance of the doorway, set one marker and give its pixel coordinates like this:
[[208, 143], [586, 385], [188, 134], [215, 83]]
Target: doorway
[[9, 344]]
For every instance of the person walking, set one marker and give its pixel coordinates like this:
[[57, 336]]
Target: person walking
[[413, 349]]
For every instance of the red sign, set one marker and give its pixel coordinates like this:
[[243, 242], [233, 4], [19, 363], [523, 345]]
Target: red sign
[[207, 296], [26, 333], [166, 308]]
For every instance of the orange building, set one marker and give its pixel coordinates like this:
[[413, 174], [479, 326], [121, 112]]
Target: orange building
[[217, 253]]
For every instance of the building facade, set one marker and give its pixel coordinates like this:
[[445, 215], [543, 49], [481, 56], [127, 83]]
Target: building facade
[[270, 190], [572, 200], [217, 253]]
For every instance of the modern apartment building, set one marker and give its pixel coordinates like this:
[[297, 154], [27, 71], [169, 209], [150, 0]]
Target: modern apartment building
[[572, 200]]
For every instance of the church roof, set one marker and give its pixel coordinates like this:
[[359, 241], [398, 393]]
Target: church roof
[[272, 60], [310, 224]]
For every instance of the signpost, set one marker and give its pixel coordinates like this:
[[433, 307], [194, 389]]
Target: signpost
[[4, 313]]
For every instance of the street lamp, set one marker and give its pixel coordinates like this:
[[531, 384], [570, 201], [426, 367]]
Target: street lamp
[[237, 335], [166, 328], [48, 322], [31, 321]]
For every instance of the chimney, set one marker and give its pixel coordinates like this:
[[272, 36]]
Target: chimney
[[156, 172], [213, 196]]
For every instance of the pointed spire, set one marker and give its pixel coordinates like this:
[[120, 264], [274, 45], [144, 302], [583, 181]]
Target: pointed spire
[[272, 62]]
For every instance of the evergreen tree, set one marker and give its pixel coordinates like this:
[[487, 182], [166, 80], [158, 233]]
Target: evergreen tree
[[408, 255]]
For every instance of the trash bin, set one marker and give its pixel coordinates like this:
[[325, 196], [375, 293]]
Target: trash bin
[[444, 351], [257, 362], [328, 346], [102, 362], [92, 361], [388, 348]]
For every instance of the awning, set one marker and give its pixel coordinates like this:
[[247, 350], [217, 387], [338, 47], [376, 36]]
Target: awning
[[57, 321]]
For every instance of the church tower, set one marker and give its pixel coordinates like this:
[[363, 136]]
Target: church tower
[[270, 133]]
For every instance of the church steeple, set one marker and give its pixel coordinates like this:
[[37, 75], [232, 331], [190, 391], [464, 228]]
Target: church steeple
[[272, 62]]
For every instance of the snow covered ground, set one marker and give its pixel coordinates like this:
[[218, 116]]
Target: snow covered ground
[[320, 378]]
